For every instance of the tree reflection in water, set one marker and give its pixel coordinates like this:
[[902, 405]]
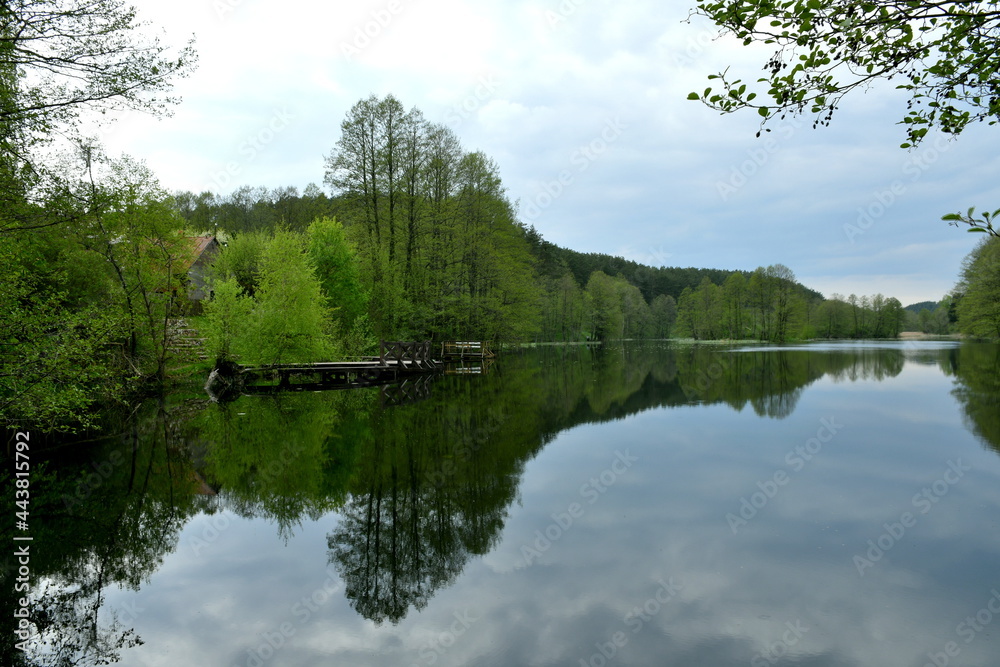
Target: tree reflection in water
[[421, 488]]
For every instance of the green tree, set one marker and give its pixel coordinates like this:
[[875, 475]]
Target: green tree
[[686, 313], [637, 321], [87, 268], [787, 305], [944, 54], [290, 316], [979, 307], [608, 319], [707, 310], [241, 260], [760, 291], [57, 60], [734, 305], [57, 345], [337, 270], [285, 320], [663, 311], [140, 235], [227, 319], [833, 318], [894, 317]]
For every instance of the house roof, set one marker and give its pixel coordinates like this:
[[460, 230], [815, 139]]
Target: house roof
[[198, 245]]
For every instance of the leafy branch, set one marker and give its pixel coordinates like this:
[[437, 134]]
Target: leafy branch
[[982, 224]]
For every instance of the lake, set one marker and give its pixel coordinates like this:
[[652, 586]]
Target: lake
[[828, 504]]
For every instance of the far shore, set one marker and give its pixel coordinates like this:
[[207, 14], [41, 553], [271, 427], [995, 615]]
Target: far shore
[[903, 335]]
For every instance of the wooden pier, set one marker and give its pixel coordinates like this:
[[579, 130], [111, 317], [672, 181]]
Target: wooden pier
[[397, 361]]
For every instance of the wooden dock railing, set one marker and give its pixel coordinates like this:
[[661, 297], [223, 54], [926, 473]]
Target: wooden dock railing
[[468, 349], [406, 354]]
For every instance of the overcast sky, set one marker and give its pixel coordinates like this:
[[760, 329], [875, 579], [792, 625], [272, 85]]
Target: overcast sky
[[582, 105]]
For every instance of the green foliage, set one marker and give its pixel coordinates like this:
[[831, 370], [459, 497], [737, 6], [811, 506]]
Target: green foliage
[[734, 294], [945, 53], [284, 320], [140, 236], [860, 317], [606, 304], [931, 317], [242, 259], [56, 362], [768, 306], [663, 313], [290, 321], [249, 209], [86, 308], [337, 270], [227, 320], [979, 306], [983, 224], [90, 264], [77, 55]]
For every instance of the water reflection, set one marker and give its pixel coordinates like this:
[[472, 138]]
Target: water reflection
[[284, 456], [106, 521], [976, 367], [422, 487]]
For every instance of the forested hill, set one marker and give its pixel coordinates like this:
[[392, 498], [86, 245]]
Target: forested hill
[[262, 209], [651, 281], [923, 305]]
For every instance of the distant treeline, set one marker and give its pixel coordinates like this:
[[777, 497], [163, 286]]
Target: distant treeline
[[574, 295]]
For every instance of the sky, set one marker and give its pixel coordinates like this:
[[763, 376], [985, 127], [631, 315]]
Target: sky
[[582, 105]]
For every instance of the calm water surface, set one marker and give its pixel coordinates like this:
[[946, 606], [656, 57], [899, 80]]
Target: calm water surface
[[823, 505]]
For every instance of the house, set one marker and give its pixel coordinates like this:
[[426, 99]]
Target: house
[[203, 252]]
